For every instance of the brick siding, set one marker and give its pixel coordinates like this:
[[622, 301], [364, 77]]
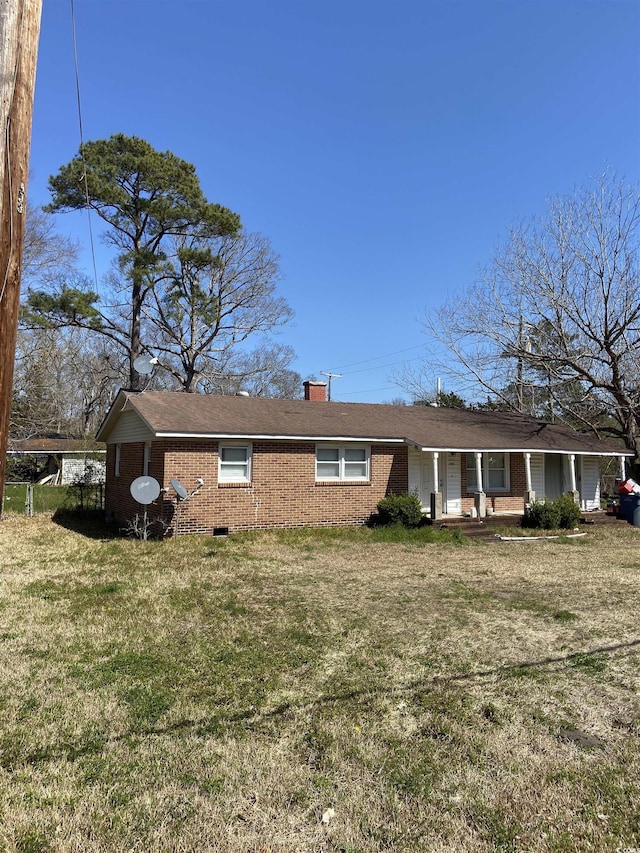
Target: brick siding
[[510, 501], [282, 493]]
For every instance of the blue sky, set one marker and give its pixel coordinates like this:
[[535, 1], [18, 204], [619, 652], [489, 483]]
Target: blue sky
[[384, 147]]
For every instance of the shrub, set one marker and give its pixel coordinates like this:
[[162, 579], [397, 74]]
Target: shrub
[[541, 515], [570, 512], [561, 514], [400, 509], [24, 469]]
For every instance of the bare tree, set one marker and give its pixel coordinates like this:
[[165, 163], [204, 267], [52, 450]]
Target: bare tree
[[216, 294], [209, 313], [63, 378], [47, 255], [64, 382], [557, 312], [262, 372]]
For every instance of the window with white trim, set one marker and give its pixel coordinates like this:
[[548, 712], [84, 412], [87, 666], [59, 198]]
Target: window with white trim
[[116, 466], [234, 463], [335, 462], [495, 472]]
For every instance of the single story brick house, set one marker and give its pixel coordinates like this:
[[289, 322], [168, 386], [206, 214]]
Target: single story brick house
[[287, 463]]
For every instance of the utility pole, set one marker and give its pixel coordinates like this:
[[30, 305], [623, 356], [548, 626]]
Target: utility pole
[[19, 33], [330, 376]]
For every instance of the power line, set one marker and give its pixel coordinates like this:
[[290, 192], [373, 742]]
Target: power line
[[373, 390], [84, 164], [383, 366], [378, 357]]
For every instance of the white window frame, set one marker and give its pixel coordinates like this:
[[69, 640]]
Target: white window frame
[[470, 461], [343, 463], [116, 465], [227, 445]]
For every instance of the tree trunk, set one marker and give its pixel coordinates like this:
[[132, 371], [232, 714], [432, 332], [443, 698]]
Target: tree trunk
[[137, 296]]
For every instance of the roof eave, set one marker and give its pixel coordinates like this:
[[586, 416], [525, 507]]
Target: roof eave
[[507, 449], [234, 436], [122, 402]]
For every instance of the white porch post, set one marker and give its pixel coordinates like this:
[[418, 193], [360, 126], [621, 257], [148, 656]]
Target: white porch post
[[572, 475], [530, 495], [479, 472], [436, 496], [623, 472], [481, 498]]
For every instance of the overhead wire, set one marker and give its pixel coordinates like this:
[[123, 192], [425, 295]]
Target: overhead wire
[[379, 367], [378, 357], [372, 390], [84, 163], [382, 366]]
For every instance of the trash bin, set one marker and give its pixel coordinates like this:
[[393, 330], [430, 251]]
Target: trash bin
[[627, 506], [635, 515]]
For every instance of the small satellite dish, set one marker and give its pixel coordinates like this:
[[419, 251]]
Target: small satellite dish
[[180, 490], [144, 364], [145, 489]]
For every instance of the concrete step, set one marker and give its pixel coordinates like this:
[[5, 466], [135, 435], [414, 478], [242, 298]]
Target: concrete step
[[485, 529]]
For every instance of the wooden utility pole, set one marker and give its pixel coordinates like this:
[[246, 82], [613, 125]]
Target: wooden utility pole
[[19, 33], [330, 376]]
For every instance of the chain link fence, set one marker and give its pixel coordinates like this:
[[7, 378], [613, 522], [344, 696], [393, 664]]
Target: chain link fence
[[34, 499]]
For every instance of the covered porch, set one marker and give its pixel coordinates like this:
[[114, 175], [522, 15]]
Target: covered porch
[[458, 482]]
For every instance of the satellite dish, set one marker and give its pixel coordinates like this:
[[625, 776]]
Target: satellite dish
[[145, 489], [180, 490], [144, 364]]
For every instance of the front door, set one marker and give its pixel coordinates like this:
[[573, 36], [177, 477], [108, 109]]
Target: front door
[[553, 476]]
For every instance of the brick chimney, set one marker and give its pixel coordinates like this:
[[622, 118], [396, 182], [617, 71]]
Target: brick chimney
[[315, 391]]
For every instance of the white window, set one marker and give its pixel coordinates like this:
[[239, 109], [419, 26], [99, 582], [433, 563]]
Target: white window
[[495, 472], [342, 463], [116, 468], [234, 463], [146, 462]]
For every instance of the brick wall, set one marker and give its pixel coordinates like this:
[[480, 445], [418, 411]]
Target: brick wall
[[282, 493], [511, 501], [119, 504]]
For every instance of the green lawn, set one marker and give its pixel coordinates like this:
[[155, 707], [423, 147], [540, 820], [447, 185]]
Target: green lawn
[[45, 498], [317, 691]]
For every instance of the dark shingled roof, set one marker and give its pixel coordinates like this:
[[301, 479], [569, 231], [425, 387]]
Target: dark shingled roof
[[54, 445], [437, 428]]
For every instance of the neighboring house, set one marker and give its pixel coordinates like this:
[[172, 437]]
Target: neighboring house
[[67, 460], [286, 463]]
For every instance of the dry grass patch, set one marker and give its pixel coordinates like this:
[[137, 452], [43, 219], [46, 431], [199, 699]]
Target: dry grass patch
[[225, 694]]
